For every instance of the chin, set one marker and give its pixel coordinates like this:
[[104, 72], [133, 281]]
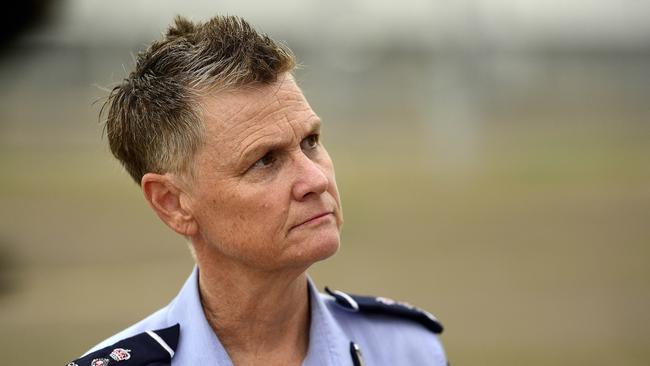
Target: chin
[[317, 249], [327, 249]]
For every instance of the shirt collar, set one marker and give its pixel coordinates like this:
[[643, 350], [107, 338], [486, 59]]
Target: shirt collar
[[199, 345], [328, 345]]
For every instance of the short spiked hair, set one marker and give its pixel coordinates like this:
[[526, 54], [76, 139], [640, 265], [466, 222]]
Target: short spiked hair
[[152, 119]]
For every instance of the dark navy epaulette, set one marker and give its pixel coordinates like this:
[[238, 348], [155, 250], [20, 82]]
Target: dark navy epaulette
[[151, 348], [382, 305]]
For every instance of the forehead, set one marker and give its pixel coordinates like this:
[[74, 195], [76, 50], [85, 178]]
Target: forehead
[[235, 120]]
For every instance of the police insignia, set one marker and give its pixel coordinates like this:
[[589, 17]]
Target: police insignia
[[386, 306], [146, 348], [99, 362], [120, 354], [391, 302]]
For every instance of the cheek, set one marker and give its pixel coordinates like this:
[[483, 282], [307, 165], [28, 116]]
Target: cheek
[[269, 214], [245, 225]]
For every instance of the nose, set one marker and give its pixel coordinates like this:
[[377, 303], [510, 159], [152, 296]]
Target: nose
[[310, 178]]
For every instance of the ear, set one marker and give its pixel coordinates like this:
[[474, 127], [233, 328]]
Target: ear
[[164, 196]]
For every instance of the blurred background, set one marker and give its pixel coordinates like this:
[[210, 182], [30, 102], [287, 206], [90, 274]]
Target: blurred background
[[493, 158]]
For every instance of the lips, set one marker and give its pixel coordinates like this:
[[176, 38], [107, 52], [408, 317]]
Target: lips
[[322, 214]]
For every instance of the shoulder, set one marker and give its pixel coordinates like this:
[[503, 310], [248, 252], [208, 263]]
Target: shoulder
[[151, 347], [156, 320], [393, 330], [375, 305]]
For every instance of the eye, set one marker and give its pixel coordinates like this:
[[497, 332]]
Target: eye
[[310, 142], [267, 160]]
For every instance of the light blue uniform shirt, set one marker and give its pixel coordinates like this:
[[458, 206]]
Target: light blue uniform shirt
[[382, 339]]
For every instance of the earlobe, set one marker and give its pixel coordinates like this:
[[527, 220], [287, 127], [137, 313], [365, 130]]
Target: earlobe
[[164, 197]]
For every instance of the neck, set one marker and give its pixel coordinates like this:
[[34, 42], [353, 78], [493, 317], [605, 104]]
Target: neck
[[260, 317]]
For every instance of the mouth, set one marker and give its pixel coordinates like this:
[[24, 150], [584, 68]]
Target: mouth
[[314, 219]]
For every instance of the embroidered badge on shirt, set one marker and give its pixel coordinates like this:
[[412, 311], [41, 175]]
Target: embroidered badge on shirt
[[100, 362], [120, 354]]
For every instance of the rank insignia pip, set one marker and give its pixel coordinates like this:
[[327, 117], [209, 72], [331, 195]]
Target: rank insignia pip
[[99, 362], [120, 354]]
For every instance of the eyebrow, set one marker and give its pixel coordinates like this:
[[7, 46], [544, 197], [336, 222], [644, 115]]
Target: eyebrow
[[314, 126]]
